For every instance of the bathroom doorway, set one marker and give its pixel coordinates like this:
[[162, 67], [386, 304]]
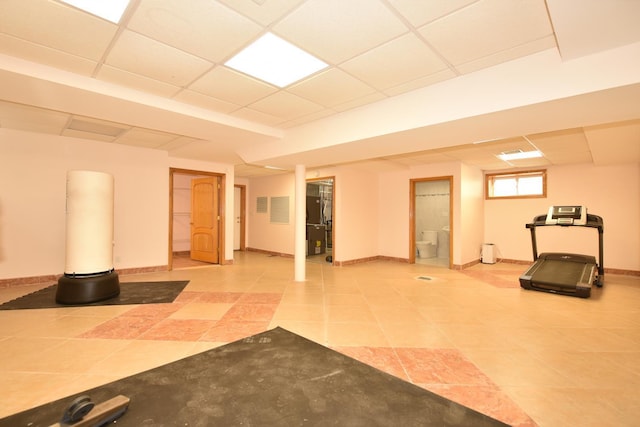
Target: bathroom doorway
[[431, 224], [320, 225]]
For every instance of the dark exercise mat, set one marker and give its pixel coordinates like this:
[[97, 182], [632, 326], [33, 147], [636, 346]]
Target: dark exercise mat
[[130, 293], [275, 378]]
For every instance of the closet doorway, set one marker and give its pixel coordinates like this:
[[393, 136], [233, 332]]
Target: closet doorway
[[196, 218], [321, 227], [430, 225]]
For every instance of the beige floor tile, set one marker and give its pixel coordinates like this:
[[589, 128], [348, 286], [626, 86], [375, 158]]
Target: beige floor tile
[[204, 311], [301, 312], [314, 331], [563, 360], [138, 356], [411, 334], [355, 334]]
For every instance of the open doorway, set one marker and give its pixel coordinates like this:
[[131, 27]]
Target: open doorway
[[196, 218], [431, 221], [320, 231]]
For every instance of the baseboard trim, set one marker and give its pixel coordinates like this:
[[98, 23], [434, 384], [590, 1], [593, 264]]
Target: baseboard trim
[[34, 280], [272, 253]]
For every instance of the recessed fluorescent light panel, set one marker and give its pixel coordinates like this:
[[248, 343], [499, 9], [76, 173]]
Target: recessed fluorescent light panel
[[275, 61], [518, 155], [111, 10]]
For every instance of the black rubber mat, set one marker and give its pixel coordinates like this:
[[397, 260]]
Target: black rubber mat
[[130, 293], [275, 378]]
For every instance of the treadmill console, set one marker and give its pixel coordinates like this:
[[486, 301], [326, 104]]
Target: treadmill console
[[567, 215]]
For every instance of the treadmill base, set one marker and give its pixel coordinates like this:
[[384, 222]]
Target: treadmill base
[[561, 273]]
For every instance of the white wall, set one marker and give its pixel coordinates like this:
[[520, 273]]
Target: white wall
[[470, 234], [467, 231], [356, 209], [612, 192], [393, 211], [265, 235], [33, 170], [357, 217]]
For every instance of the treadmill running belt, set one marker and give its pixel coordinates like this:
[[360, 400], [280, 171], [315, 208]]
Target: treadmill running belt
[[567, 274], [559, 273]]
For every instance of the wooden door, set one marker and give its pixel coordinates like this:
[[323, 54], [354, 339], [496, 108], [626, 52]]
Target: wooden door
[[205, 219]]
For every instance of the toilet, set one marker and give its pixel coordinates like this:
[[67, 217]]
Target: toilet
[[428, 246]]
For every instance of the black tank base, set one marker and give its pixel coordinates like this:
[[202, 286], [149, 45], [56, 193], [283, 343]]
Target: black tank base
[[87, 289]]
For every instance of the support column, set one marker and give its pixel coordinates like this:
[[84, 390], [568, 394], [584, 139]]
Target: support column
[[300, 223]]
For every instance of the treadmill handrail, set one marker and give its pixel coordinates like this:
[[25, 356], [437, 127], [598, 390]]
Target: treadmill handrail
[[593, 221]]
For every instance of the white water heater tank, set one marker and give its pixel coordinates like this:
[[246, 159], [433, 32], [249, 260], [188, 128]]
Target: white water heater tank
[[488, 253]]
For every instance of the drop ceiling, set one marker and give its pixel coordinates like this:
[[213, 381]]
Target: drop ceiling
[[157, 80]]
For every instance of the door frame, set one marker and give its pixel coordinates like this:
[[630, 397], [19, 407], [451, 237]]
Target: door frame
[[221, 213], [243, 215], [333, 212], [412, 215]]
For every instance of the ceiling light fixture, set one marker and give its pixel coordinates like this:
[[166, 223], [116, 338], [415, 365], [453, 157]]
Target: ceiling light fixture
[[518, 155], [110, 10], [275, 61]]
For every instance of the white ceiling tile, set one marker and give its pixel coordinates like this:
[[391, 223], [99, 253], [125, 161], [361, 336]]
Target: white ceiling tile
[[367, 99], [336, 30], [204, 28], [96, 126], [331, 88], [142, 55], [181, 141], [487, 27], [257, 116], [567, 141], [420, 12], [57, 26], [23, 117], [145, 138], [566, 158], [421, 82], [87, 135], [470, 153], [136, 81], [611, 142], [509, 54], [231, 86], [267, 12], [396, 62], [45, 55], [206, 102], [307, 118], [285, 105], [529, 163], [590, 26]]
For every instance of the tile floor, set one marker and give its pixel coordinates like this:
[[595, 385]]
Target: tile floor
[[526, 358]]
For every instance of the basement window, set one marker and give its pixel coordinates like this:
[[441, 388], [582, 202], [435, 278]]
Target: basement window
[[516, 185]]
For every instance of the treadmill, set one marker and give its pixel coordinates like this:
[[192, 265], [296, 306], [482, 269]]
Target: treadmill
[[565, 273]]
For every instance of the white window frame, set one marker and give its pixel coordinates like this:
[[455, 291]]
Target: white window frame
[[491, 178]]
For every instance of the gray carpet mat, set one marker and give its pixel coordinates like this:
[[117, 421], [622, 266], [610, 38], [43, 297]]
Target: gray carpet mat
[[275, 378], [130, 293]]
